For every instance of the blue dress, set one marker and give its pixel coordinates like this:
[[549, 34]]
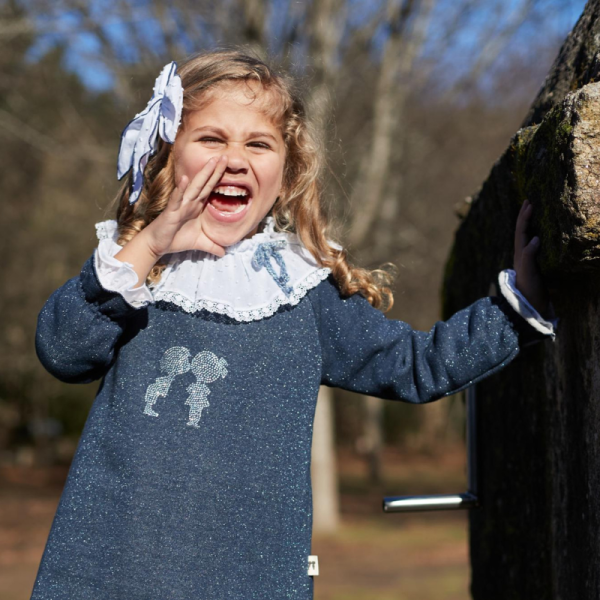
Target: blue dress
[[174, 497]]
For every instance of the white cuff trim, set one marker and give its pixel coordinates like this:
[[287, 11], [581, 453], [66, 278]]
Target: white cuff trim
[[515, 298], [119, 276]]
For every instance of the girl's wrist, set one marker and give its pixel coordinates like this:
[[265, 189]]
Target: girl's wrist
[[157, 250], [140, 254]]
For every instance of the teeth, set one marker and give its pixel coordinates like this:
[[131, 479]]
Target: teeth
[[231, 190]]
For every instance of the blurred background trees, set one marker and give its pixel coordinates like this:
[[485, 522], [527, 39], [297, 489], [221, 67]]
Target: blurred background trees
[[415, 99]]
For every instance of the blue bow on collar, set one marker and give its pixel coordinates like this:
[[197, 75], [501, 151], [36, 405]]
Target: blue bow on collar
[[262, 258]]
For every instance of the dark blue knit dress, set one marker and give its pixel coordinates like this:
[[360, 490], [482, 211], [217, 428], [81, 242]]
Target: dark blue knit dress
[[191, 480]]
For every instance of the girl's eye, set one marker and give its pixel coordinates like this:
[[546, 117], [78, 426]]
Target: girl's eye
[[260, 145], [212, 140]]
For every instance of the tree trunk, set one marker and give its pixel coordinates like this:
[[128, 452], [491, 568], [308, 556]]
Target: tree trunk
[[372, 438], [323, 467], [537, 532]]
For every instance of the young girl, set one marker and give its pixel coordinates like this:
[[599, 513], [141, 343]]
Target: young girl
[[212, 310]]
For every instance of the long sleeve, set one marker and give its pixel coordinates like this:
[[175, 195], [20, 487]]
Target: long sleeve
[[365, 352], [118, 276], [79, 328]]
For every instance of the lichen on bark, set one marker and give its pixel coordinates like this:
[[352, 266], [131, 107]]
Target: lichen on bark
[[556, 165]]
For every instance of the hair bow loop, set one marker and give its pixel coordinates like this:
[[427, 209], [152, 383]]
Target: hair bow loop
[[262, 258], [161, 116]]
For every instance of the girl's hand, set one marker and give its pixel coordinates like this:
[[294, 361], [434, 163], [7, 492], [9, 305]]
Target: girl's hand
[[529, 279], [178, 227]]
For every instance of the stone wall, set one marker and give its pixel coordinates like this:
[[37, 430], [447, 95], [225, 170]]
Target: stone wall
[[537, 533]]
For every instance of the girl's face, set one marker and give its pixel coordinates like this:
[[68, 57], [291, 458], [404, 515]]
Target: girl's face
[[233, 124]]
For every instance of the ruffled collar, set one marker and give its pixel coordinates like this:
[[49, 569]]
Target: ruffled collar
[[256, 276]]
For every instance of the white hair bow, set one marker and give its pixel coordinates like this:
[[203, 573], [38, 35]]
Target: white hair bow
[[161, 117]]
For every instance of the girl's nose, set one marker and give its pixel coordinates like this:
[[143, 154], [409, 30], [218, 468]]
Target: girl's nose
[[236, 157]]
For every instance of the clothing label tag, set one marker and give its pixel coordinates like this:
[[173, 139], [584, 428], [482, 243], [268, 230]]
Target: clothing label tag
[[313, 564]]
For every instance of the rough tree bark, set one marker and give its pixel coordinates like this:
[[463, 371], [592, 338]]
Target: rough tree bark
[[537, 532]]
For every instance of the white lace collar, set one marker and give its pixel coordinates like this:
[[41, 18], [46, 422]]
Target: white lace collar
[[249, 283]]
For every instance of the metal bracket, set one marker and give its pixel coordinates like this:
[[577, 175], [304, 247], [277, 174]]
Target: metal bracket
[[447, 501]]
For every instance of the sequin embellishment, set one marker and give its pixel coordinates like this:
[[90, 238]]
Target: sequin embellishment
[[262, 258], [175, 361], [206, 366]]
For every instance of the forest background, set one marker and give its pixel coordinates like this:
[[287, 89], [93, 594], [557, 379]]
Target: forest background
[[416, 99]]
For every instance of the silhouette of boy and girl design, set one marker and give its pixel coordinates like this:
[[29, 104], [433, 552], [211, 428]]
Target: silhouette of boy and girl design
[[207, 368]]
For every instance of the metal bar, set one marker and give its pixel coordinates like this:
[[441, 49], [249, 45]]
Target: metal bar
[[472, 468], [447, 501], [432, 502]]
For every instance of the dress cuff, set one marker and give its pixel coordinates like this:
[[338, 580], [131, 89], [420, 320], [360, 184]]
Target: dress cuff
[[515, 298], [118, 276]]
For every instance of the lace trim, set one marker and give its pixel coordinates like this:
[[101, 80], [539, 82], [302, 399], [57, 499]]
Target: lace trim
[[256, 314], [105, 230], [108, 230]]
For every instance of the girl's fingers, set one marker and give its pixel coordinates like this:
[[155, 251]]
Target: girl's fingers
[[521, 228], [214, 179], [528, 266], [177, 195], [200, 179], [529, 278], [531, 248], [206, 179]]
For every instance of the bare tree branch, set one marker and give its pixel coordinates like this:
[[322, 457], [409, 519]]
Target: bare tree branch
[[398, 57], [325, 25], [491, 48], [38, 140], [255, 14]]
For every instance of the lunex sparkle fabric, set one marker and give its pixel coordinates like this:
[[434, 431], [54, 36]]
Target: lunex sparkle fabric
[[191, 479]]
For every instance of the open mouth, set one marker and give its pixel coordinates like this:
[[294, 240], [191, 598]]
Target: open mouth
[[229, 199]]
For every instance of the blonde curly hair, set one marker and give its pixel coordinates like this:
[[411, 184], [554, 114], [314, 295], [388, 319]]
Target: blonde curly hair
[[298, 208]]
